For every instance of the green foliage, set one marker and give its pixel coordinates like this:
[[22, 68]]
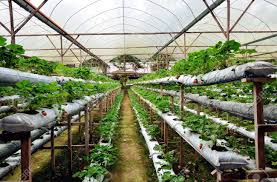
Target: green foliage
[[169, 177], [9, 53], [93, 170], [36, 65], [7, 91], [104, 155], [41, 94], [220, 56]]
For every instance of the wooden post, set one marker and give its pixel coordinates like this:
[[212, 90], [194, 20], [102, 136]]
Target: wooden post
[[172, 104], [259, 120], [26, 143], [181, 153], [69, 145], [52, 153], [182, 101], [161, 88], [101, 108], [91, 118], [79, 126], [165, 135], [86, 130]]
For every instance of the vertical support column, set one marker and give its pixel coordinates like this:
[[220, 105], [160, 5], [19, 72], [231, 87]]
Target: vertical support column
[[91, 118], [259, 119], [101, 108], [228, 20], [162, 90], [69, 145], [172, 104], [86, 130], [165, 135], [53, 171], [79, 126], [185, 46], [182, 100], [62, 55], [181, 153], [26, 142], [11, 22]]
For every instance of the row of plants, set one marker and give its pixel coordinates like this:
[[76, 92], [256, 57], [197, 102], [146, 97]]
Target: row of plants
[[219, 56], [235, 91], [39, 95], [153, 131], [210, 131], [12, 56], [238, 121], [103, 156]]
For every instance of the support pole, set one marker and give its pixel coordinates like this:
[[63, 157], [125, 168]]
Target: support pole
[[228, 20], [53, 171], [62, 54], [26, 143], [181, 153], [11, 22], [86, 130], [259, 120], [172, 104], [165, 135], [69, 145], [182, 100]]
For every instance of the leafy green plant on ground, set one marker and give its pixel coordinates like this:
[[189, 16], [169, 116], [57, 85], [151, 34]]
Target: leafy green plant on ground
[[93, 170]]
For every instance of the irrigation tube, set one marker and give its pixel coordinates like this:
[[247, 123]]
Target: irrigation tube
[[241, 130], [154, 154], [233, 73], [220, 160]]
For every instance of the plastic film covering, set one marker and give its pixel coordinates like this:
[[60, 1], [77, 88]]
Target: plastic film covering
[[6, 99], [233, 73], [221, 160]]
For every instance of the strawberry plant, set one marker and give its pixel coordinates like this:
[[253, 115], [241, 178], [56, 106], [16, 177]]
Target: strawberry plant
[[93, 170]]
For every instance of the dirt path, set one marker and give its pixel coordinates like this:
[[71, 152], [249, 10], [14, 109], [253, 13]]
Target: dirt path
[[133, 163]]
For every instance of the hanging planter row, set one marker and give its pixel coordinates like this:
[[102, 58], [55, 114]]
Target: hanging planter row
[[152, 145], [249, 70], [103, 155], [221, 160], [241, 130], [11, 77]]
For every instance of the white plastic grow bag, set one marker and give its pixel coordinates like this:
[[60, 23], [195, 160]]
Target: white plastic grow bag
[[20, 122], [154, 155], [233, 73]]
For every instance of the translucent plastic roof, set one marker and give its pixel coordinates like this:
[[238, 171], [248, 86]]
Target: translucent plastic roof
[[141, 16]]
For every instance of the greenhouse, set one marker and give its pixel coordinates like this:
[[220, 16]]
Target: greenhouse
[[138, 90]]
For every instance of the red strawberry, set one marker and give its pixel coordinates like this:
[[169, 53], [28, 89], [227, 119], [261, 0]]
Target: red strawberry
[[44, 113], [195, 81], [201, 146]]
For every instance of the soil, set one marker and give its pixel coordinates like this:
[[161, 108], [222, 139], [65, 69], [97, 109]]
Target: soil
[[133, 164]]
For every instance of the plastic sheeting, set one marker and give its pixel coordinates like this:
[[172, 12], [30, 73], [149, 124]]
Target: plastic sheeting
[[221, 160], [233, 73], [27, 122]]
